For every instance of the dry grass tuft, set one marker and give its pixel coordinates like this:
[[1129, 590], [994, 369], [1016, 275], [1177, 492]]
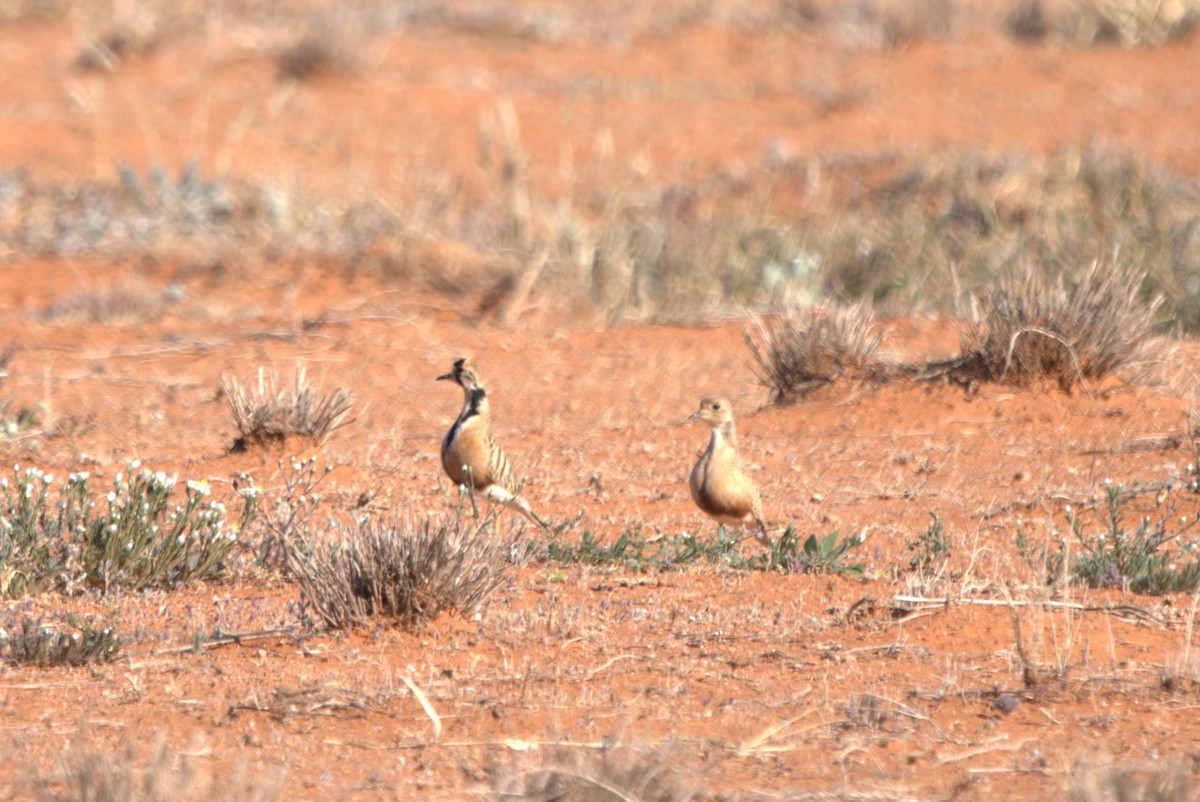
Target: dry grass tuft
[[1098, 779], [273, 413], [798, 350], [612, 774], [92, 774], [410, 572], [1028, 328]]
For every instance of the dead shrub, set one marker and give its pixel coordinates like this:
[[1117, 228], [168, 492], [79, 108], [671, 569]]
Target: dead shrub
[[1028, 327], [797, 350], [408, 571], [272, 413], [611, 774]]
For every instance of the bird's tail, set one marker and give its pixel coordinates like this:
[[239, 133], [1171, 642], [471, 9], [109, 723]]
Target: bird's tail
[[515, 502]]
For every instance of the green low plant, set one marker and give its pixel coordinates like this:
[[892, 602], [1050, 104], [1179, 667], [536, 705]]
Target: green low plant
[[930, 549], [1152, 557], [823, 555], [787, 553]]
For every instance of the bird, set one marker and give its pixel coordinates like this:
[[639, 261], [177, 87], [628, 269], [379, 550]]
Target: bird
[[470, 454], [719, 484]]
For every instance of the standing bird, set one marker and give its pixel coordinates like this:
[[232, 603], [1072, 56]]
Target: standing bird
[[720, 486], [470, 453]]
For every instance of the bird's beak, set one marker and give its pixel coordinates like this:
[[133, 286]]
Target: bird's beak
[[446, 377], [694, 416]]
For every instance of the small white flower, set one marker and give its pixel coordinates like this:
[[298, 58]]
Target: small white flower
[[133, 466], [1068, 509], [129, 546], [199, 486], [48, 478], [111, 497]]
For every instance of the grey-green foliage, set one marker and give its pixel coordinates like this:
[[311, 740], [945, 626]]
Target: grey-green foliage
[[1153, 556], [41, 644], [132, 537]]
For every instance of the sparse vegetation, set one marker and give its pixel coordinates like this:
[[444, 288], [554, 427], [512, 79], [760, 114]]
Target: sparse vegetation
[[271, 413], [409, 572], [925, 239], [636, 552], [797, 350], [1153, 557], [939, 231], [341, 221]]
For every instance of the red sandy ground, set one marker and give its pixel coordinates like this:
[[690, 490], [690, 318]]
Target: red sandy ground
[[756, 681]]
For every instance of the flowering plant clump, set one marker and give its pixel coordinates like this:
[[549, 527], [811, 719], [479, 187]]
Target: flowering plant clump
[[41, 644], [1152, 557], [133, 537]]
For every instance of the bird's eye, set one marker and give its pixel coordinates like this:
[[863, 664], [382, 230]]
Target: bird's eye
[[716, 406]]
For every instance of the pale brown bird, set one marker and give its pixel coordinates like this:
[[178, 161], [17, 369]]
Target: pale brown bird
[[470, 453], [719, 484]]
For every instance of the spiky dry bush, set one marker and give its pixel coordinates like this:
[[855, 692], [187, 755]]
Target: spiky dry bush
[[91, 773], [1096, 778], [1030, 327], [40, 644], [272, 413], [798, 349], [408, 571], [612, 774]]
